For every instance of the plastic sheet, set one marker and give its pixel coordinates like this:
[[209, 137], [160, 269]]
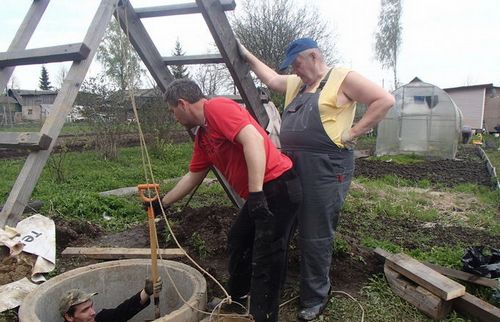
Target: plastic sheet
[[483, 261]]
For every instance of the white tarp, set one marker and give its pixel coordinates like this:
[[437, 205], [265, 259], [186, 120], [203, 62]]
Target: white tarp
[[35, 235], [13, 294]]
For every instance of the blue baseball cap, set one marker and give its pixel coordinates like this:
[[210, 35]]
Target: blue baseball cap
[[296, 47]]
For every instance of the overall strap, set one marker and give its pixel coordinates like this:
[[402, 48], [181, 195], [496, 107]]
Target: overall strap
[[323, 81], [321, 84]]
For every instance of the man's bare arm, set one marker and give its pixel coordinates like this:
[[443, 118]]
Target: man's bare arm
[[255, 156], [377, 99], [188, 182]]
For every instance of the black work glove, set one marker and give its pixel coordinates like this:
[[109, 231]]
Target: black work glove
[[150, 287], [156, 207], [257, 205]]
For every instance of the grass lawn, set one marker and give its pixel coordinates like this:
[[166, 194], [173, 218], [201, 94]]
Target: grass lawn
[[370, 204]]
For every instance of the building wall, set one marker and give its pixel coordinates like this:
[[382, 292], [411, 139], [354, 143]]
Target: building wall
[[31, 100], [471, 102], [32, 113], [492, 112]]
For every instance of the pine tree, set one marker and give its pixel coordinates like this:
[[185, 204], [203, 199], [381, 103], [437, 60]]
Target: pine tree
[[179, 71], [44, 82]]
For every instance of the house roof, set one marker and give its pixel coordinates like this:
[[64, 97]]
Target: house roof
[[490, 85], [29, 92], [8, 100]]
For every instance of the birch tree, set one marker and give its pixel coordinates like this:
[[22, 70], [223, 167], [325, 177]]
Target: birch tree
[[388, 36]]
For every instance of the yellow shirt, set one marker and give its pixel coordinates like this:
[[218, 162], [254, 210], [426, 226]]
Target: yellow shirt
[[335, 119]]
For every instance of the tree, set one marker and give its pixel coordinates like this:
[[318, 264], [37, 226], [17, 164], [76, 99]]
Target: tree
[[388, 36], [61, 76], [179, 71], [44, 82], [266, 27], [120, 61], [213, 79]]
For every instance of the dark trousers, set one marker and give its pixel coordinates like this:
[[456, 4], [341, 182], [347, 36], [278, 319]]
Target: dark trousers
[[258, 248]]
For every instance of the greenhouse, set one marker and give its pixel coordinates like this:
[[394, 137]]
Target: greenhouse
[[423, 121]]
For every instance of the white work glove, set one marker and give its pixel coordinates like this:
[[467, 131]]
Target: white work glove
[[347, 140], [243, 51]]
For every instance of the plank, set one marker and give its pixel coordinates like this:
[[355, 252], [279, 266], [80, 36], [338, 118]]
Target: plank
[[193, 59], [121, 253], [422, 299], [23, 35], [43, 55], [178, 9], [464, 276], [225, 40], [28, 177], [471, 306], [433, 281], [25, 140]]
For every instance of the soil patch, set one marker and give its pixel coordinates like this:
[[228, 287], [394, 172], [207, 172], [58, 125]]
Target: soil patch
[[83, 142], [466, 168]]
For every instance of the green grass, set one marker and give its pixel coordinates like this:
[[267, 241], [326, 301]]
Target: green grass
[[368, 201], [87, 175]]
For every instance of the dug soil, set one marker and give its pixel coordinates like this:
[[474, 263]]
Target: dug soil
[[203, 232]]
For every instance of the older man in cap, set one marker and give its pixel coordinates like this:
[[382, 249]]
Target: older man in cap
[[317, 132], [77, 305]]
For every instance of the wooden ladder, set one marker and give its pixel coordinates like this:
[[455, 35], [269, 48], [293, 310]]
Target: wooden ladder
[[42, 143]]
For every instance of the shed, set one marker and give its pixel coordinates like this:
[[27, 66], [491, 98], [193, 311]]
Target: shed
[[423, 121], [480, 105]]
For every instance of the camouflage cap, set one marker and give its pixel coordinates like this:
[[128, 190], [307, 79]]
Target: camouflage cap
[[73, 297]]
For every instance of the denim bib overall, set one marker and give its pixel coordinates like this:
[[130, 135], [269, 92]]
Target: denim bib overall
[[325, 172]]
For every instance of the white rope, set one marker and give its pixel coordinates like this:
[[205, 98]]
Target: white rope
[[357, 302]]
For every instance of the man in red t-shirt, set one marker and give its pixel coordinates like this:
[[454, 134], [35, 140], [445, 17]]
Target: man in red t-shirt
[[229, 138]]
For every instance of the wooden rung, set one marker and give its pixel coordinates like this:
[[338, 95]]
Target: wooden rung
[[193, 59], [474, 307], [239, 99], [464, 276], [121, 253], [71, 52], [25, 140], [433, 281], [422, 299], [178, 9]]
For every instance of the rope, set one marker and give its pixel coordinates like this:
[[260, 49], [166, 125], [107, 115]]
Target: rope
[[148, 173]]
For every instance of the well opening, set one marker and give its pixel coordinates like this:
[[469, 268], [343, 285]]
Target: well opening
[[116, 281]]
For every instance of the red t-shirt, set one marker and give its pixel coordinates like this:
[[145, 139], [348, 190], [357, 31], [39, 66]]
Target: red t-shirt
[[215, 144]]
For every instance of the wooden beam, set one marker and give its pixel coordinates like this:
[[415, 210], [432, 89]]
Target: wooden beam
[[28, 177], [23, 35], [237, 98], [226, 42], [178, 9], [471, 306], [438, 284], [422, 299], [193, 59], [464, 276], [71, 52], [140, 39], [25, 140], [121, 253]]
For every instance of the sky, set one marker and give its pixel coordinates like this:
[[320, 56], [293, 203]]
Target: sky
[[447, 43]]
